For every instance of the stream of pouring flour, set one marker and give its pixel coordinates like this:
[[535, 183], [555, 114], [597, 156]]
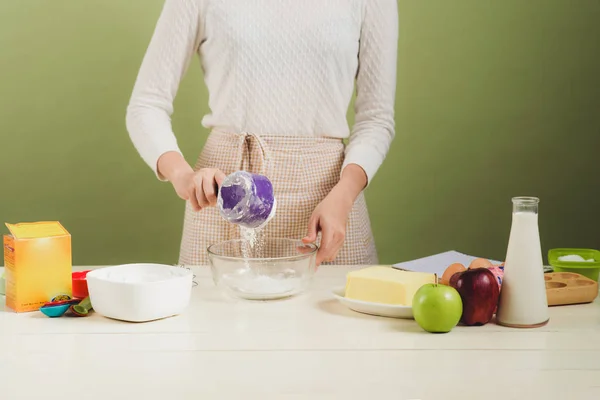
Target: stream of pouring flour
[[258, 275]]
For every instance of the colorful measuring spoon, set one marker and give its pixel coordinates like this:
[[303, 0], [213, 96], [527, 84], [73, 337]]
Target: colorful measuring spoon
[[83, 308], [56, 310]]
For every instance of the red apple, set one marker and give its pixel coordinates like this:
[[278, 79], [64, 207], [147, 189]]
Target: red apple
[[454, 279], [478, 289]]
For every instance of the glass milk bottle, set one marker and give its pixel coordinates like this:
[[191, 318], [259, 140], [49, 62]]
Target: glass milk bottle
[[523, 302]]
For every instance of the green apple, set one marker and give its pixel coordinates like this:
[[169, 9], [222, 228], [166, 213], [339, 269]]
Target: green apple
[[437, 308]]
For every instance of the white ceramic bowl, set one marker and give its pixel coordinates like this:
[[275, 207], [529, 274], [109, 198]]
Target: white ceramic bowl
[[140, 292]]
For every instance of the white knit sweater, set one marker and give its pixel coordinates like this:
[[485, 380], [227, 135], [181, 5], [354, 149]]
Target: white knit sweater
[[276, 67]]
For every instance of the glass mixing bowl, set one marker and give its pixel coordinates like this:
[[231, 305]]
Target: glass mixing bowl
[[269, 269]]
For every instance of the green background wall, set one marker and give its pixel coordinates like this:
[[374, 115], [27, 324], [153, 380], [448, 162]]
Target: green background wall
[[495, 99]]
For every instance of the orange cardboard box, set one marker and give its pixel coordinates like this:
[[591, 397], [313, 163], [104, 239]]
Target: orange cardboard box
[[37, 260]]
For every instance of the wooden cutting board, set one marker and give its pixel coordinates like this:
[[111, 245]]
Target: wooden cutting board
[[564, 288]]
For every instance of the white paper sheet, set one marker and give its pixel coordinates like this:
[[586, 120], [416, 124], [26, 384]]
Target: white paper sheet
[[439, 262]]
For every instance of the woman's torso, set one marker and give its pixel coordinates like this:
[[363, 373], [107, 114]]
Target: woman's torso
[[280, 67]]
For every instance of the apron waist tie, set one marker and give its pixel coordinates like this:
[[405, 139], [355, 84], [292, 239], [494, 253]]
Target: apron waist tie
[[244, 144]]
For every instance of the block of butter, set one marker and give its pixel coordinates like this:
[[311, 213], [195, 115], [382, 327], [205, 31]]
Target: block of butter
[[385, 285]]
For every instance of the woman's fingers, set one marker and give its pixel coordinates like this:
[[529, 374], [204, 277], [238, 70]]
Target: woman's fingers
[[328, 246], [202, 201], [200, 188], [337, 251], [193, 199], [305, 248], [200, 196], [331, 243], [332, 238], [208, 187], [339, 238], [313, 226], [219, 177]]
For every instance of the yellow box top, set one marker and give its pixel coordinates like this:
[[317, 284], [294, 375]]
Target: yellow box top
[[36, 230]]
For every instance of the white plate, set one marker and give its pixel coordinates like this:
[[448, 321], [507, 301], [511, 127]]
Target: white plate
[[2, 282], [378, 309]]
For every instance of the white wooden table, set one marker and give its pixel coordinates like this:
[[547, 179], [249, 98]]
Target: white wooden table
[[308, 347]]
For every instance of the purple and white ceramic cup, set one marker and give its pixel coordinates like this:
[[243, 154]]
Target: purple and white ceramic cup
[[246, 199]]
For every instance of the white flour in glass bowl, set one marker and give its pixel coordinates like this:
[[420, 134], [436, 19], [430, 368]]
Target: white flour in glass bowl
[[253, 285]]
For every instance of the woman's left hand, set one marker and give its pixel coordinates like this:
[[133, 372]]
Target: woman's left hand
[[331, 215], [330, 218]]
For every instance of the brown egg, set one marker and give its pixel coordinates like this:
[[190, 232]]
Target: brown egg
[[480, 263], [451, 270]]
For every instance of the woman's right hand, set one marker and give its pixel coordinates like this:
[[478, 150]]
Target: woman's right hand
[[198, 187]]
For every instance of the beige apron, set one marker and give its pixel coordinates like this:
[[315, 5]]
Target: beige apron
[[303, 171]]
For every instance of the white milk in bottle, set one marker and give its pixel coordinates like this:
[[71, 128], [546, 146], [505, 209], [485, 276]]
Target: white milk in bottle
[[523, 302]]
